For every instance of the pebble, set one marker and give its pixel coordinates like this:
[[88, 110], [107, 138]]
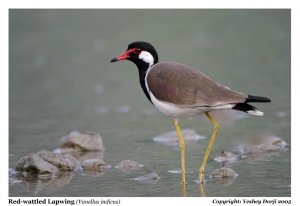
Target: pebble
[[83, 141], [94, 165], [128, 165], [32, 163], [223, 172], [58, 160], [45, 163], [228, 157], [269, 144], [149, 178]]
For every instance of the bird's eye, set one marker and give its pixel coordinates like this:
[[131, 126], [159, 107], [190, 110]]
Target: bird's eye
[[137, 51]]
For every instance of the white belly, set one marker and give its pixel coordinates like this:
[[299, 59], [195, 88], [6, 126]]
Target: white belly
[[175, 111]]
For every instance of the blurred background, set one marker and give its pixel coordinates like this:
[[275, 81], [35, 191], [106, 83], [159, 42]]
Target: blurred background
[[61, 80]]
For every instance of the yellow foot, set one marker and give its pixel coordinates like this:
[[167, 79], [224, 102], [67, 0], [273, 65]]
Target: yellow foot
[[201, 176], [202, 190], [183, 190], [201, 182]]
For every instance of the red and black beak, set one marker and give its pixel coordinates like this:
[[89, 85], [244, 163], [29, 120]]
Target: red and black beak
[[123, 56]]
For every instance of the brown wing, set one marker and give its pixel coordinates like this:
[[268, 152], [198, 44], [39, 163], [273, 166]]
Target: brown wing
[[186, 86]]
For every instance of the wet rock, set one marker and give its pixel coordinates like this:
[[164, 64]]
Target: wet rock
[[45, 164], [149, 178], [223, 172], [73, 161], [223, 176], [79, 156], [35, 165], [128, 165], [269, 144], [229, 157], [171, 138], [20, 164], [94, 165], [82, 141], [226, 156], [58, 160]]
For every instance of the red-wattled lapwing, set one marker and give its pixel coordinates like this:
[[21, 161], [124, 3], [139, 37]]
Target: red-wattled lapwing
[[178, 90]]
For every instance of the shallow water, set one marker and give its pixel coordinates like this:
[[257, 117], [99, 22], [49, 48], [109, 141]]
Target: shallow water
[[60, 80]]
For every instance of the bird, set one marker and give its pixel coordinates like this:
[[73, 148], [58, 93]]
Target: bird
[[178, 90]]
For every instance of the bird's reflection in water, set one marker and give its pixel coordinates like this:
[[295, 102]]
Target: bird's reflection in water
[[223, 181]]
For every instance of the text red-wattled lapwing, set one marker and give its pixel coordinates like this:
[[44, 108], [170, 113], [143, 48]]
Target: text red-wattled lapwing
[[178, 90]]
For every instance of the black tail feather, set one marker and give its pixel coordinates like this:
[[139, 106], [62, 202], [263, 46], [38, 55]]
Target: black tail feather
[[252, 98], [244, 107]]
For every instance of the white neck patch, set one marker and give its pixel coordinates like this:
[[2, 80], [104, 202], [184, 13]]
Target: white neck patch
[[147, 57]]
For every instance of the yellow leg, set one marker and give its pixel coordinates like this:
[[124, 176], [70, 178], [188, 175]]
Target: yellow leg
[[182, 150], [210, 145], [202, 190], [183, 191]]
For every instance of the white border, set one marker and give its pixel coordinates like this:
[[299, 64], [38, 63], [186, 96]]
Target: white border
[[166, 201], [153, 4]]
